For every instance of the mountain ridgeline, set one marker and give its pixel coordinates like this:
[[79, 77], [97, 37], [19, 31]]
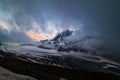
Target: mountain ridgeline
[[69, 40], [63, 34]]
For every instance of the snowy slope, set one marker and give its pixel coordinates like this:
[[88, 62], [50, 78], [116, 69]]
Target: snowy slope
[[75, 60]]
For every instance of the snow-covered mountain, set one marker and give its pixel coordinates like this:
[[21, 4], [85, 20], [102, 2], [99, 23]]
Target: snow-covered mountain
[[59, 40], [62, 35], [72, 41], [67, 50], [51, 57]]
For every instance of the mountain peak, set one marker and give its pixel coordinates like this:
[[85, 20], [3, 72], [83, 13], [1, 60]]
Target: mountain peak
[[64, 33]]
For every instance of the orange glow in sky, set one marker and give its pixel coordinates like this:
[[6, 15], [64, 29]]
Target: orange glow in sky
[[35, 36]]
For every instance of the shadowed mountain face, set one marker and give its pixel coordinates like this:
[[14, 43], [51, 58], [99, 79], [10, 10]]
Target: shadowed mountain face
[[50, 64]]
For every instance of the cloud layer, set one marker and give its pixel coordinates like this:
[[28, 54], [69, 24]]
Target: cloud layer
[[40, 17], [48, 17]]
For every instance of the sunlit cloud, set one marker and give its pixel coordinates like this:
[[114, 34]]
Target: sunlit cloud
[[35, 36]]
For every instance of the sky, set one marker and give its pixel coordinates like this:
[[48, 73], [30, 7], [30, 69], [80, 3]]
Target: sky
[[34, 20]]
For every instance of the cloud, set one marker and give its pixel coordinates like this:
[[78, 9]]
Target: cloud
[[36, 16], [5, 26], [48, 17], [35, 36]]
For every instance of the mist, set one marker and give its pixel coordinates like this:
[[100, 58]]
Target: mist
[[18, 18]]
